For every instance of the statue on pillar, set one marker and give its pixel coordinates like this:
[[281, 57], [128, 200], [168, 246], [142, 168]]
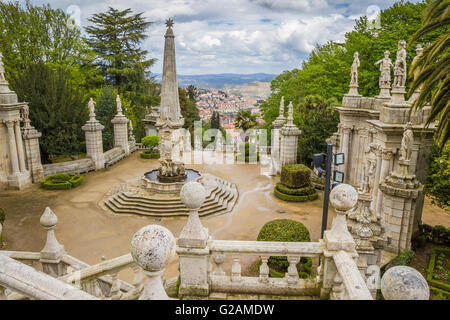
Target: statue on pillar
[[407, 142], [2, 68], [400, 65], [385, 68], [91, 106], [281, 114], [354, 70], [119, 105]]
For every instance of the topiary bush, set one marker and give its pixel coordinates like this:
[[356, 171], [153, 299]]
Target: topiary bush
[[286, 230], [62, 181], [295, 184], [296, 176], [150, 142], [150, 154]]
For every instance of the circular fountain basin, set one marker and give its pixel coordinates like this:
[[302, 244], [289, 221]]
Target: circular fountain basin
[[153, 183]]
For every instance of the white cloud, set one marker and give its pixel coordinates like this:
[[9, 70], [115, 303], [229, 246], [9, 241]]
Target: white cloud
[[241, 36]]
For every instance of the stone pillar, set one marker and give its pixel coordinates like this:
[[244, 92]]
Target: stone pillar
[[377, 150], [401, 191], [276, 143], [19, 143], [94, 141], [120, 129], [153, 248], [289, 140], [12, 148], [386, 156], [192, 245], [31, 138], [342, 198], [346, 132], [53, 251]]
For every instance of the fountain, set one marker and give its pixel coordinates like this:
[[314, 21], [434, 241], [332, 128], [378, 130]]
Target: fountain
[[157, 192]]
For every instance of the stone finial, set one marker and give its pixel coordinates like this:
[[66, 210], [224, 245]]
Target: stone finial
[[169, 23], [281, 114], [193, 195], [290, 113], [404, 283], [52, 252], [153, 247], [343, 198], [2, 69]]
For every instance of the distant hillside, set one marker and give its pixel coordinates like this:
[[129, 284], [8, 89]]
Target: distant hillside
[[218, 81]]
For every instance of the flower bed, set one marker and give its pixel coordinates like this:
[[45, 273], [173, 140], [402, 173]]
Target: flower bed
[[150, 154], [438, 273]]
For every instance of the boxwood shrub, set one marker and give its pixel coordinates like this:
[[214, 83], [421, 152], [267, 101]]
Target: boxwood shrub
[[150, 154], [61, 181], [296, 176], [292, 198], [286, 230]]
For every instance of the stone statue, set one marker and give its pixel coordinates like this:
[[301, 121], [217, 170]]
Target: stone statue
[[282, 107], [407, 142], [354, 70], [400, 65], [91, 106], [369, 170], [119, 105], [2, 68], [385, 68], [290, 111], [419, 51]]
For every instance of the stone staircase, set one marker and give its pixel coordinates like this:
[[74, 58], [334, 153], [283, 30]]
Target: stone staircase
[[221, 199]]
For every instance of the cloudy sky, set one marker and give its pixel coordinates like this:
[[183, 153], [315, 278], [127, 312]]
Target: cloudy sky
[[236, 36]]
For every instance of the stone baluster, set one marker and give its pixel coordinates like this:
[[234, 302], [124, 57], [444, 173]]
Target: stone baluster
[[153, 248], [193, 249], [236, 269], [292, 274], [53, 251], [264, 269], [219, 259], [115, 286]]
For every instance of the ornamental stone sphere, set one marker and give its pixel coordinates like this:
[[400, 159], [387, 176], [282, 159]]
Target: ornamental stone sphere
[[343, 197], [193, 195], [153, 248], [404, 283]]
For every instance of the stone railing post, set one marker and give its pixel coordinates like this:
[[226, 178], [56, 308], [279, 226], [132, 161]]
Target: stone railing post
[[120, 123], [53, 251], [193, 249], [153, 248], [94, 141], [342, 198]]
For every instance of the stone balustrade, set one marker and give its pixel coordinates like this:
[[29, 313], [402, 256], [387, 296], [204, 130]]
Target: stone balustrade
[[291, 284]]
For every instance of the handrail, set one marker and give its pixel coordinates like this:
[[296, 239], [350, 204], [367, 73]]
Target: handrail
[[34, 284], [304, 249], [354, 283], [22, 255]]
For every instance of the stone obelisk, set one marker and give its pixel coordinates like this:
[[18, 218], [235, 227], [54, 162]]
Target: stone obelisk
[[170, 119]]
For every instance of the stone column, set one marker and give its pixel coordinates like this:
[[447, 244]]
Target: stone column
[[386, 156], [53, 251], [376, 149], [276, 145], [346, 131], [19, 144], [94, 141], [12, 147], [192, 245]]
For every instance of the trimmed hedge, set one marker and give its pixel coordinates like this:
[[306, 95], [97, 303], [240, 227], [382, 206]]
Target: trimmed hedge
[[2, 216], [150, 141], [286, 230], [296, 176], [62, 181], [292, 198], [438, 284], [306, 191], [150, 154]]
